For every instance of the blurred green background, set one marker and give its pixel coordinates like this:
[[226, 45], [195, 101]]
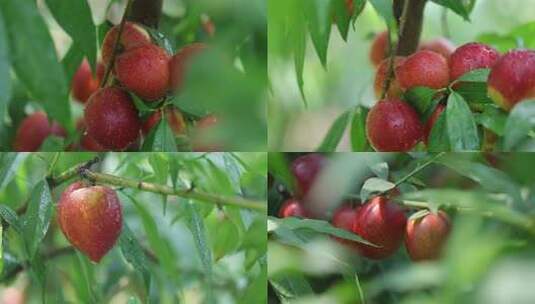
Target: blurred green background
[[348, 80]]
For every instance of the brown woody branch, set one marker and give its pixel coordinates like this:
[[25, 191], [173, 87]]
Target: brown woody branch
[[409, 36]]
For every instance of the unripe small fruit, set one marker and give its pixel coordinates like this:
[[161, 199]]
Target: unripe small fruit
[[306, 169], [379, 50], [440, 45], [426, 236], [424, 69], [292, 207], [471, 56], [393, 126], [344, 218], [174, 119], [382, 223], [33, 130], [179, 63], [432, 120], [112, 119], [90, 218], [132, 36], [394, 91], [512, 79], [144, 71], [83, 82]]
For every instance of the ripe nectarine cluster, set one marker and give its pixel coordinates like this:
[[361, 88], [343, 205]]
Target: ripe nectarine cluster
[[111, 121], [380, 221], [393, 125]]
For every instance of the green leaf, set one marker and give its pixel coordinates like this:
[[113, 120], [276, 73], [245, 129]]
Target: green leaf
[[157, 242], [291, 286], [279, 167], [462, 8], [196, 226], [333, 137], [492, 118], [52, 144], [462, 130], [37, 217], [422, 100], [1, 250], [342, 17], [478, 75], [385, 9], [76, 19], [438, 138], [283, 228], [359, 140], [491, 179], [160, 139], [11, 217], [5, 77], [9, 163], [134, 255], [375, 185], [319, 21], [520, 125], [34, 59], [71, 61]]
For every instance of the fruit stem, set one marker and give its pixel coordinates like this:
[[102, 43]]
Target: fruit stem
[[190, 193], [109, 68]]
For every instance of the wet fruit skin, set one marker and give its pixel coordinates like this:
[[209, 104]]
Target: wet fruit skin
[[432, 120], [471, 56], [379, 49], [83, 82], [132, 36], [292, 207], [393, 125], [382, 223], [178, 64], [306, 169], [424, 69], [512, 79], [394, 91], [344, 218], [33, 130], [90, 218], [425, 237], [144, 71], [174, 119], [439, 45], [112, 119], [87, 143]]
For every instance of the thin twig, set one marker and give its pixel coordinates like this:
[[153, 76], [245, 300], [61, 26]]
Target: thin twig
[[394, 49], [419, 168], [109, 68], [238, 201]]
